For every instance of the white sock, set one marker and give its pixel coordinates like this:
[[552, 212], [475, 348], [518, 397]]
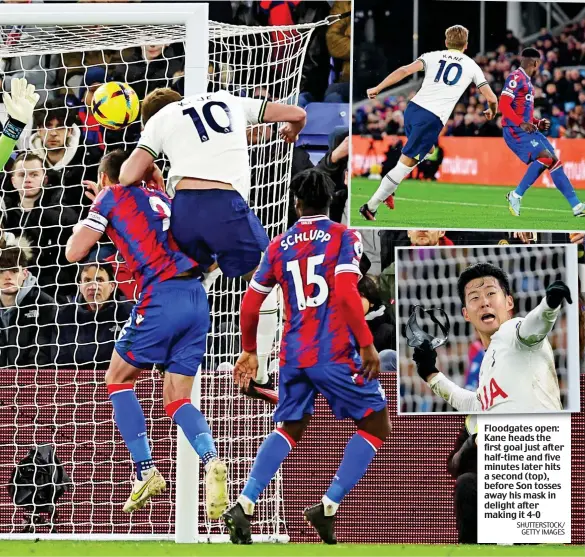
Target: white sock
[[329, 506], [267, 326], [389, 184], [514, 194], [247, 505]]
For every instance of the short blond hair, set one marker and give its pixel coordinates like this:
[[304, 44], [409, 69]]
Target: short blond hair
[[456, 37], [157, 100]]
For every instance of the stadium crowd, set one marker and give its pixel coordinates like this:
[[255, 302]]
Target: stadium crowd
[[56, 314], [559, 91]]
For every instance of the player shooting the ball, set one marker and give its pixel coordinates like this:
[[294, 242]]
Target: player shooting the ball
[[518, 370], [522, 134], [448, 73]]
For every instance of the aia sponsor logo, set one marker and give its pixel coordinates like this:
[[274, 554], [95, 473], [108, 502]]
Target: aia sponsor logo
[[489, 394]]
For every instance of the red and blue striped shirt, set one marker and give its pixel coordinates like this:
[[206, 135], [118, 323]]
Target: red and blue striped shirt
[[137, 220], [304, 261]]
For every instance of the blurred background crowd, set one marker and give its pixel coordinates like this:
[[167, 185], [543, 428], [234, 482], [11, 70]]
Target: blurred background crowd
[[53, 313]]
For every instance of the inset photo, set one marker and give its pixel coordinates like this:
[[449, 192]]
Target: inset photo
[[477, 121], [488, 328]]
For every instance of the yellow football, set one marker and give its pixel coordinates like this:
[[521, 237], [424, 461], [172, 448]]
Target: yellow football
[[115, 105]]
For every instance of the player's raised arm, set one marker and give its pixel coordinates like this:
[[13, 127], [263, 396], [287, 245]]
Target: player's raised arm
[[20, 104], [396, 77], [461, 399], [294, 118], [540, 321]]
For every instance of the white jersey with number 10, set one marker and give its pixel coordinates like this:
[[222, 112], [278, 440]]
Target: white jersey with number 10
[[448, 73], [204, 136]]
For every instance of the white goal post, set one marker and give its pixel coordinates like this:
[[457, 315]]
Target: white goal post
[[247, 61]]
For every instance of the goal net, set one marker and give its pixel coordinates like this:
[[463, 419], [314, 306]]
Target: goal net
[[62, 401], [428, 277]]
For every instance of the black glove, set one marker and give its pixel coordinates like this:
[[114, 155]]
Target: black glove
[[425, 358], [556, 293]]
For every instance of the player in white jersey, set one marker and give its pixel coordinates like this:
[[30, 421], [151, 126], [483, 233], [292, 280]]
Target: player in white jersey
[[518, 370], [448, 73], [204, 137]]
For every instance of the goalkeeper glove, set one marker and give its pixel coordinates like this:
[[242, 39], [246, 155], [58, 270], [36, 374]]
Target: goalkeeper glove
[[425, 358], [20, 104], [556, 293]]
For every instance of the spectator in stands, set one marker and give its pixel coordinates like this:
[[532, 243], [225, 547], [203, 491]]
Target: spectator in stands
[[334, 163], [419, 238], [92, 132], [35, 68], [149, 68], [380, 320], [339, 45], [88, 328], [36, 214], [315, 72], [511, 43], [27, 314], [59, 143], [462, 466]]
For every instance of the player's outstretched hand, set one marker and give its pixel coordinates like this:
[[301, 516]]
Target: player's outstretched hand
[[425, 358], [21, 100], [543, 124], [154, 178], [91, 189], [289, 132], [245, 369], [528, 127], [370, 362], [556, 293], [372, 93], [489, 114]]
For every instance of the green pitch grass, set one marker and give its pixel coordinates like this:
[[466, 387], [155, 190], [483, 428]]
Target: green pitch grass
[[146, 549], [423, 205]]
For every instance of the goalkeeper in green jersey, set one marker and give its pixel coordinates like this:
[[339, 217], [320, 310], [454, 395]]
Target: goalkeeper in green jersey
[[20, 104]]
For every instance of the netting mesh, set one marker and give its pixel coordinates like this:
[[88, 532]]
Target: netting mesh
[[428, 277], [55, 337]]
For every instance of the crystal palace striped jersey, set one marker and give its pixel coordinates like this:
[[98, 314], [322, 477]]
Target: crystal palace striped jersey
[[304, 261], [519, 87], [137, 220]]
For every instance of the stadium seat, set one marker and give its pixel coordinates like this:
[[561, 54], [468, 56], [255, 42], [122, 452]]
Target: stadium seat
[[316, 156], [321, 119]]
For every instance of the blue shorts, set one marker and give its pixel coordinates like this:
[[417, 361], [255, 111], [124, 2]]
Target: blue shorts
[[422, 129], [346, 392], [167, 326], [218, 225], [526, 146]]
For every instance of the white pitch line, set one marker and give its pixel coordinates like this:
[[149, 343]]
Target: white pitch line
[[480, 205]]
